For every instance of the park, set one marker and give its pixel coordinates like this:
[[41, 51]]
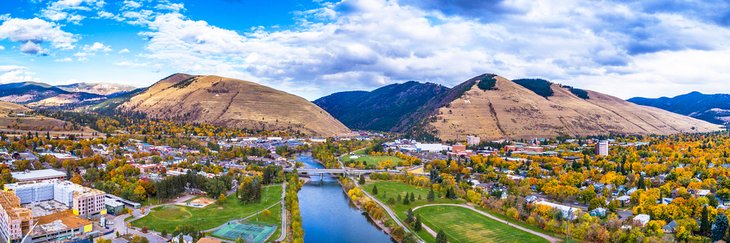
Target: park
[[459, 224], [167, 217]]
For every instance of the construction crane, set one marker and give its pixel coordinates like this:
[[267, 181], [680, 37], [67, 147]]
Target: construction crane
[[29, 231]]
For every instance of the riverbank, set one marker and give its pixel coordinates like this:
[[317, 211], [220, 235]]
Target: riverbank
[[379, 223]]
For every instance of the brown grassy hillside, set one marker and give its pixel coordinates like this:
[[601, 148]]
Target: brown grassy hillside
[[230, 102], [513, 111], [17, 118]]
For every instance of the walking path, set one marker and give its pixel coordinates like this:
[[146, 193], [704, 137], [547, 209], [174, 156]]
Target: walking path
[[430, 231], [387, 210], [283, 213]]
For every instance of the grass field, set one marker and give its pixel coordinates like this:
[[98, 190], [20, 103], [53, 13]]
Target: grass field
[[273, 219], [393, 188], [170, 216], [464, 225], [369, 160]]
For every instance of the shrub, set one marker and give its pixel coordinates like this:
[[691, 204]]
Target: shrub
[[487, 82]]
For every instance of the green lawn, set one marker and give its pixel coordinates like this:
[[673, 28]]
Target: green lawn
[[273, 219], [393, 188], [465, 225], [370, 160], [170, 216]]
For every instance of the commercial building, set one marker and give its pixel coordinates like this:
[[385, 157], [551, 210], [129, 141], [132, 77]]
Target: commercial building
[[47, 210], [472, 140], [82, 200], [38, 175], [15, 221], [602, 148]]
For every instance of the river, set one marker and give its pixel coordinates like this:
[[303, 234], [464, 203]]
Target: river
[[329, 216]]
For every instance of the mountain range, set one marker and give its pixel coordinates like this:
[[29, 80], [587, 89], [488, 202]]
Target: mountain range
[[493, 107], [488, 106], [714, 108]]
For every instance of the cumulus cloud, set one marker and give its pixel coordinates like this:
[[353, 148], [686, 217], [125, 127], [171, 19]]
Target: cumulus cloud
[[122, 51], [33, 49], [31, 33], [358, 44], [13, 73], [70, 10], [97, 47]]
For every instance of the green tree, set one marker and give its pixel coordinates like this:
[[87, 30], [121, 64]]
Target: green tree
[[361, 181], [431, 195], [417, 225], [705, 222], [441, 237], [719, 227], [375, 190], [409, 216], [413, 198]]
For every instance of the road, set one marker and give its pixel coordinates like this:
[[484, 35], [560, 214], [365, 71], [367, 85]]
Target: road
[[430, 231], [283, 213]]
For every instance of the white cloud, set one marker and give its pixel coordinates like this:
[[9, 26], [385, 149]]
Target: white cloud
[[12, 73], [358, 44], [70, 10], [65, 59], [97, 47], [130, 4], [133, 64], [2, 48], [36, 31], [122, 51], [33, 49]]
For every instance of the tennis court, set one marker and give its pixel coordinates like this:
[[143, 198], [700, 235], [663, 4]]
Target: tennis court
[[255, 233]]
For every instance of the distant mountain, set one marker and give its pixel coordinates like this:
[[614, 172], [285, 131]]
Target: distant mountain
[[493, 107], [15, 117], [97, 88], [231, 102], [382, 109], [35, 94], [713, 108]]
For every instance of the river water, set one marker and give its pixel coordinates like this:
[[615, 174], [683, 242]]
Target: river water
[[329, 216]]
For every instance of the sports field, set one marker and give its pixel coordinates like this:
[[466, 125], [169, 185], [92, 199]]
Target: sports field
[[391, 189], [369, 160], [170, 216], [464, 225], [255, 233]]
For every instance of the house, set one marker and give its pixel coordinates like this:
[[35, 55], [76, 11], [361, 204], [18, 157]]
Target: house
[[702, 192], [624, 200], [598, 212], [567, 211], [208, 240], [667, 200], [670, 227], [641, 219]]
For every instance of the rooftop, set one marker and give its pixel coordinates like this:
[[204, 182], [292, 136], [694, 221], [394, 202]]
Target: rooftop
[[37, 174]]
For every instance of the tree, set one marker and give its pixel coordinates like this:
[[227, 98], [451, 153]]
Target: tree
[[441, 237], [431, 195], [405, 200], [375, 190], [361, 181], [266, 213], [413, 198], [705, 222], [417, 225], [221, 198], [409, 216], [140, 192], [719, 227]]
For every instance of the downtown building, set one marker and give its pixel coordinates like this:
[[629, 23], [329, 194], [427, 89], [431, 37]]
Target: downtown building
[[48, 210]]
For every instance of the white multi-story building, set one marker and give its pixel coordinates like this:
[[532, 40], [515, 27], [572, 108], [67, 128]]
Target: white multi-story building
[[602, 148], [82, 200], [472, 140], [38, 175]]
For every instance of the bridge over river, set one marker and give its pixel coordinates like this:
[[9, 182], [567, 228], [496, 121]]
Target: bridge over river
[[320, 172]]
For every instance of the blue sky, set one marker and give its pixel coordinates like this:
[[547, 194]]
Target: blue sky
[[313, 48]]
